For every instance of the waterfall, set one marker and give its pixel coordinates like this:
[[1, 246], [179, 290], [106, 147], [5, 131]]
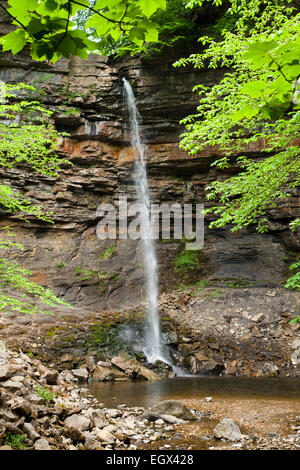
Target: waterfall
[[154, 349]]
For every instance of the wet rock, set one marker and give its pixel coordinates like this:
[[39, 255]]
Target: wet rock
[[170, 419], [228, 430], [169, 407]]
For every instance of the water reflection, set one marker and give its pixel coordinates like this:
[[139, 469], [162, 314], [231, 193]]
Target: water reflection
[[146, 394]]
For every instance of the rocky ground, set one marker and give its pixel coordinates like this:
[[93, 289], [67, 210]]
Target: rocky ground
[[43, 409], [211, 330]]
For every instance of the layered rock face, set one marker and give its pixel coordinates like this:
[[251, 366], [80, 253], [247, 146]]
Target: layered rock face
[[67, 256], [87, 98]]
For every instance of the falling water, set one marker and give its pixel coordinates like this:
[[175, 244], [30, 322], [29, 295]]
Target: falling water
[[154, 348]]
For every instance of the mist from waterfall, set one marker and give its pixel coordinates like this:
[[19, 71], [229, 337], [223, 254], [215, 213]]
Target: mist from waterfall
[[153, 349]]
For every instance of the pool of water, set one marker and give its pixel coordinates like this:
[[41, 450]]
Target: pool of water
[[147, 394]]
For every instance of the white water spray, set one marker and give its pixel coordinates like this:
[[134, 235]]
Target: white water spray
[[154, 350]]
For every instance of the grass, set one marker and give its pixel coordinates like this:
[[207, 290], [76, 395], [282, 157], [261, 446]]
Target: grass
[[106, 254], [61, 264], [87, 274], [294, 321], [16, 441], [45, 394]]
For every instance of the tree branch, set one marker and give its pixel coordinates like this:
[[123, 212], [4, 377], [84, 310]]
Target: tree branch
[[101, 14]]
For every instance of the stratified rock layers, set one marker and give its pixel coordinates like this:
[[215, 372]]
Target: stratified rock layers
[[97, 275]]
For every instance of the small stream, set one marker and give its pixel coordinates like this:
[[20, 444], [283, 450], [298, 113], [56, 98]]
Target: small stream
[[147, 394]]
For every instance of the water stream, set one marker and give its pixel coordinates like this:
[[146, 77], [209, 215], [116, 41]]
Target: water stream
[[154, 348]]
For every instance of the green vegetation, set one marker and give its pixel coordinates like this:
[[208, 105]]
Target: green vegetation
[[294, 281], [108, 253], [87, 274], [16, 441], [294, 321], [111, 338], [45, 394], [174, 25], [255, 105], [32, 141], [49, 26], [61, 264], [188, 260]]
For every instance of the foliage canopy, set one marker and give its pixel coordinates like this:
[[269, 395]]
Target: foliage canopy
[[48, 26], [25, 140], [255, 106]]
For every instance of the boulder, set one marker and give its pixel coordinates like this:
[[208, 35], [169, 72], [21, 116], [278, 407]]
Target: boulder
[[270, 369], [81, 374], [133, 368], [78, 422], [207, 367], [98, 418], [91, 443], [107, 373], [105, 436], [5, 373], [3, 353], [29, 429], [228, 430], [12, 386], [21, 407], [169, 408], [42, 444], [49, 375], [295, 358]]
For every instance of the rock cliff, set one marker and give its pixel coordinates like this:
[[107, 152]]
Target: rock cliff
[[87, 100]]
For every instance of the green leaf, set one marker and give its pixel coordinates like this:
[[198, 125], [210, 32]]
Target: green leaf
[[101, 24], [148, 8], [14, 41]]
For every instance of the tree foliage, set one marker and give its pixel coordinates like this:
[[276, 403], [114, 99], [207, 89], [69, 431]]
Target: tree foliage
[[24, 141], [174, 25], [48, 26], [255, 106]]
